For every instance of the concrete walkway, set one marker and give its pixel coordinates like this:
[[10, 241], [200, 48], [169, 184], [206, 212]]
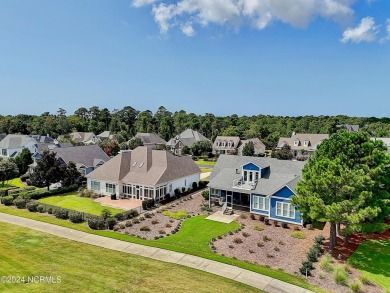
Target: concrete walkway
[[253, 279], [204, 175]]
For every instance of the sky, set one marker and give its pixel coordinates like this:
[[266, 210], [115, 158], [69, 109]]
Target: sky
[[245, 57]]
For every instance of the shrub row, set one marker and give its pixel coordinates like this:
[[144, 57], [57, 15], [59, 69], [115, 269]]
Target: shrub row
[[38, 194], [312, 256]]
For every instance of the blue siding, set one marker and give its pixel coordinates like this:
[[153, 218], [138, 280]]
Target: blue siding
[[297, 218], [255, 211], [251, 167], [284, 192]]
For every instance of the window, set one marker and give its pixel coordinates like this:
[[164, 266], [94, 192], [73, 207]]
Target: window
[[110, 188], [95, 185], [306, 143], [296, 142], [284, 209], [261, 203], [4, 152], [127, 188], [170, 188]]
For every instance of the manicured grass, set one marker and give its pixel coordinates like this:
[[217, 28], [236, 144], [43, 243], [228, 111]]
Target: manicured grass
[[372, 258], [203, 162], [81, 204], [87, 268], [296, 280], [197, 232], [13, 183], [206, 170]]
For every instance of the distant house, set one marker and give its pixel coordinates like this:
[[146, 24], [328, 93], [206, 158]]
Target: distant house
[[151, 139], [82, 137], [303, 145], [187, 138], [349, 127], [87, 157], [226, 145], [386, 141], [233, 145], [105, 135], [13, 144], [262, 186], [144, 173]]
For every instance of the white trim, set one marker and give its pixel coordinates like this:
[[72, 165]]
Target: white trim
[[290, 222], [278, 197], [271, 194], [289, 205]]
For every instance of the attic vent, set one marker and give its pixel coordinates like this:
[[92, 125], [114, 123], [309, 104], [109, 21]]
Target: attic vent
[[135, 163], [140, 165], [237, 172]]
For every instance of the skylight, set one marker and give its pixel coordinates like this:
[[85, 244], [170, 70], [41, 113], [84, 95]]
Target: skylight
[[140, 165], [135, 163]]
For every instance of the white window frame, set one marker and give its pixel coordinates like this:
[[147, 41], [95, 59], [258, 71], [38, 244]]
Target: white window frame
[[93, 183], [260, 203], [285, 209], [4, 152], [296, 142], [109, 187]]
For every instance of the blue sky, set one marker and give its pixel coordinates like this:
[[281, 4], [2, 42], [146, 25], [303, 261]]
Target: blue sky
[[309, 57]]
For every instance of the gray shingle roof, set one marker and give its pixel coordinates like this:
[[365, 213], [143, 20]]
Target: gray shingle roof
[[188, 137], [235, 140], [150, 138], [313, 139], [145, 166], [279, 174], [83, 155], [14, 141]]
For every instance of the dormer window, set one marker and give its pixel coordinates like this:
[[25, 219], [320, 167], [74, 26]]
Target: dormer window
[[306, 143], [296, 142]]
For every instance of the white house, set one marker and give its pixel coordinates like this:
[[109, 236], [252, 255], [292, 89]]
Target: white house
[[144, 173], [13, 144]]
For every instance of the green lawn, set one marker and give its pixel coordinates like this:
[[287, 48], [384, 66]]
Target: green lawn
[[81, 204], [87, 268], [203, 162], [13, 183], [197, 232], [372, 258], [205, 170], [280, 275]]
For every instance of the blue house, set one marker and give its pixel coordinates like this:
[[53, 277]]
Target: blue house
[[262, 186]]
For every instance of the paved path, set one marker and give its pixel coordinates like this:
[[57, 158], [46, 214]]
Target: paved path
[[204, 175], [253, 279]]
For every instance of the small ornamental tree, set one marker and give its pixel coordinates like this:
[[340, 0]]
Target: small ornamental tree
[[8, 171], [201, 147], [284, 153], [23, 160], [71, 174], [248, 149], [347, 179], [49, 170]]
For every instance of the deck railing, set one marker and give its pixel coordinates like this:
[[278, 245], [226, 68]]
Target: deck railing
[[241, 184]]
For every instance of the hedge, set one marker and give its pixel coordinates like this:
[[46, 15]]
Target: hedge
[[38, 194], [7, 200]]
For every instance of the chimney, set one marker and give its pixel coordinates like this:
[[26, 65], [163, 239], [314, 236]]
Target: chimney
[[293, 133]]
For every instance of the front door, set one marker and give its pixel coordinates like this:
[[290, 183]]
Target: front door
[[229, 199], [137, 192]]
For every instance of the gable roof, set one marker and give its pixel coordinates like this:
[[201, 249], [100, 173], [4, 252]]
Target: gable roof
[[279, 173], [257, 143], [15, 141], [81, 136], [188, 137], [349, 127], [145, 166], [313, 139], [150, 138], [226, 139], [105, 135], [84, 155], [42, 138]]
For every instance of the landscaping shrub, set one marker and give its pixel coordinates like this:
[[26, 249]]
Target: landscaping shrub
[[7, 200], [61, 214], [154, 222], [147, 215], [183, 189], [243, 216], [258, 228], [14, 192], [32, 206], [178, 215], [168, 225], [141, 218], [205, 194], [128, 224], [246, 234], [260, 244], [29, 188], [206, 208], [231, 246], [298, 235], [356, 286], [177, 192], [365, 280], [105, 214], [161, 232], [144, 228], [269, 255], [24, 177], [111, 222], [340, 276], [326, 263], [276, 248], [136, 221], [319, 239], [237, 240], [20, 203], [312, 255], [96, 223], [88, 193], [306, 268], [252, 216], [266, 238], [194, 185], [40, 208], [38, 194], [50, 211], [75, 217]]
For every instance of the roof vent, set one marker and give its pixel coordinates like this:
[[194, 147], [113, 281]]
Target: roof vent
[[135, 163], [140, 165]]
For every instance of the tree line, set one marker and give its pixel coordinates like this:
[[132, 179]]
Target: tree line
[[126, 122]]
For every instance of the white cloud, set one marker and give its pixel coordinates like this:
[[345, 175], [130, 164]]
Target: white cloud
[[188, 30], [257, 13], [140, 3], [366, 31], [387, 37]]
